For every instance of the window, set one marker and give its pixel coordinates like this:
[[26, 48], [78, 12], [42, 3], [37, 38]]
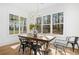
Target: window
[[38, 22], [46, 24], [46, 28], [57, 21], [15, 24], [23, 25]]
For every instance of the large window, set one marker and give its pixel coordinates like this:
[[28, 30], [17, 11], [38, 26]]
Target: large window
[[57, 21], [16, 26], [46, 24]]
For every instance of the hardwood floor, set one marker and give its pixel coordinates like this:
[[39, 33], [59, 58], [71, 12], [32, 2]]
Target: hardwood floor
[[13, 50]]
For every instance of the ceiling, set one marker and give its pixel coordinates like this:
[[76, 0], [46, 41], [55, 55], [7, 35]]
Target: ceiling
[[30, 7]]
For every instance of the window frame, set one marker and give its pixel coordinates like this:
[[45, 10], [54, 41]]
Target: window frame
[[19, 32], [51, 24]]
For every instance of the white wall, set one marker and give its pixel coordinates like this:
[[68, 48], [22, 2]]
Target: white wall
[[5, 38], [71, 18]]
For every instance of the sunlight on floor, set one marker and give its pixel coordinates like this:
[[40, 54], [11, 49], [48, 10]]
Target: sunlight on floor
[[52, 52], [14, 46]]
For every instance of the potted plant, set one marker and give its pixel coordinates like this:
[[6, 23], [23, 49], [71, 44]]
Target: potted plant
[[33, 27]]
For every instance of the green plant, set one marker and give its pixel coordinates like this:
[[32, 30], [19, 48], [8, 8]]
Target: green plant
[[33, 26]]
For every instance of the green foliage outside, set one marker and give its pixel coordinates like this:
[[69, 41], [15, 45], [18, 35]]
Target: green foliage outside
[[33, 26]]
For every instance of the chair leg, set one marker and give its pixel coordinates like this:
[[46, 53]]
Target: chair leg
[[77, 46], [35, 52], [23, 48], [56, 51], [19, 48], [64, 51], [73, 45], [39, 51]]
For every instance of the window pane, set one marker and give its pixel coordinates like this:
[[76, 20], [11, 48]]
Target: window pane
[[38, 20], [21, 20], [39, 28], [16, 29], [24, 21], [61, 28], [11, 23], [55, 29], [11, 29], [23, 25], [55, 18], [46, 19], [46, 28], [24, 29], [21, 28], [60, 17], [16, 25]]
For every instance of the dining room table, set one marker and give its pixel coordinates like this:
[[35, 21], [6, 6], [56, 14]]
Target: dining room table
[[37, 40]]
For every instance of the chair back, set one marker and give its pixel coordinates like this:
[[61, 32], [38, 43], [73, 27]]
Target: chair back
[[22, 40], [62, 41], [73, 39], [76, 39]]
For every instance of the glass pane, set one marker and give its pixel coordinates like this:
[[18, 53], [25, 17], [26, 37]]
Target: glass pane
[[16, 24], [21, 20], [58, 29], [55, 18], [46, 19], [16, 20], [60, 17], [38, 20], [24, 29], [11, 23], [11, 29], [55, 29], [46, 28], [24, 21], [16, 29], [23, 25], [39, 28], [61, 28]]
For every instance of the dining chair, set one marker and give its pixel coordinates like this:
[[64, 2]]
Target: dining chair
[[35, 48], [60, 43], [73, 40], [23, 44]]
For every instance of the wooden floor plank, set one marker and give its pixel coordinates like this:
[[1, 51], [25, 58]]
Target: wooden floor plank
[[13, 50]]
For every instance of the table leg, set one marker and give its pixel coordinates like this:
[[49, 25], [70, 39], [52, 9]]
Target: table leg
[[30, 51], [46, 50]]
